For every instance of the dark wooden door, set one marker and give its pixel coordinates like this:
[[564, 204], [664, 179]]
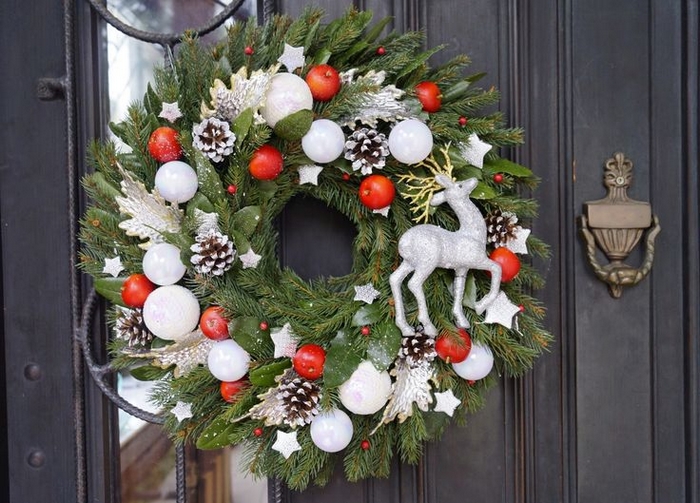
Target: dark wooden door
[[610, 414]]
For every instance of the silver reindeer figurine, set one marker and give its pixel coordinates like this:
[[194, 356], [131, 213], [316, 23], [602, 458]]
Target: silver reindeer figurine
[[426, 247]]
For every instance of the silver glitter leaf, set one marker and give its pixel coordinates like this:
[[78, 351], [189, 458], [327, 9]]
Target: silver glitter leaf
[[373, 106], [411, 386], [186, 354], [149, 212]]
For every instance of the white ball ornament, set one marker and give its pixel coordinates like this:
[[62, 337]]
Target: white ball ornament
[[477, 365], [366, 391], [331, 431], [287, 94], [176, 181], [227, 361], [162, 264], [410, 141], [171, 312], [324, 142]]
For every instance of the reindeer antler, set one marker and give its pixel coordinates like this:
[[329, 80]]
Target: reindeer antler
[[419, 190]]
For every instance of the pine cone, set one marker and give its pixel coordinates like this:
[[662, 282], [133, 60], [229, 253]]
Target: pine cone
[[214, 253], [131, 328], [367, 149], [214, 138], [500, 227], [298, 398], [417, 348]]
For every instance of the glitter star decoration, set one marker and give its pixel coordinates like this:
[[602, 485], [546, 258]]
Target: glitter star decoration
[[474, 151], [182, 411], [292, 57], [518, 244], [113, 266], [501, 311], [250, 259], [447, 402], [285, 341], [286, 443], [170, 112], [366, 293], [309, 174]]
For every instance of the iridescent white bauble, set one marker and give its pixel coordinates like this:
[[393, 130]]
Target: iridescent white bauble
[[176, 181], [286, 95], [331, 431], [162, 264], [366, 391], [410, 141], [324, 142], [171, 312], [227, 361], [477, 365]]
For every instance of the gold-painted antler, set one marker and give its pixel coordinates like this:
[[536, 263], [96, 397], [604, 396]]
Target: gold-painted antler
[[419, 190]]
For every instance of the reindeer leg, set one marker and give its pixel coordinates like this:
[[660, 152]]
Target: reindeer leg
[[415, 284], [457, 309], [495, 269], [395, 280]]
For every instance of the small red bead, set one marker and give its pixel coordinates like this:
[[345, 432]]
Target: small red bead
[[471, 382], [258, 432], [522, 308], [346, 176], [232, 189], [263, 325], [365, 445], [365, 330], [248, 50], [498, 178], [462, 121], [381, 51]]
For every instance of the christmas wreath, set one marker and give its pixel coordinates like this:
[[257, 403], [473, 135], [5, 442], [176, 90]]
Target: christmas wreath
[[181, 238]]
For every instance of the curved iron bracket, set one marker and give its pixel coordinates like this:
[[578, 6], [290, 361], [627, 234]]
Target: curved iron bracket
[[615, 224]]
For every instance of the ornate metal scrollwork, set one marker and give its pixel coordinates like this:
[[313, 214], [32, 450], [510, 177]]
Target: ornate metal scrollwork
[[615, 224]]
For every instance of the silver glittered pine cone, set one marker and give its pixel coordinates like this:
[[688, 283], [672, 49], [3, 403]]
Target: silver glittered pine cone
[[131, 328], [367, 149], [417, 348], [298, 400], [214, 253], [214, 138], [500, 227]]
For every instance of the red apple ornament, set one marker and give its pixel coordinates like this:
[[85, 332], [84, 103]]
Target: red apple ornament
[[213, 325], [308, 361], [429, 95], [377, 192], [452, 350], [509, 262], [136, 289], [324, 82], [163, 145], [266, 163]]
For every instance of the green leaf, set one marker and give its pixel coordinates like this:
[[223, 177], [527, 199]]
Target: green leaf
[[501, 165], [246, 220], [483, 192], [435, 423], [216, 435], [384, 344], [241, 242], [469, 299], [264, 376], [322, 57], [267, 189], [151, 102], [110, 289], [247, 333], [366, 315], [148, 373], [342, 359], [199, 202], [241, 125], [376, 30], [294, 126], [209, 182]]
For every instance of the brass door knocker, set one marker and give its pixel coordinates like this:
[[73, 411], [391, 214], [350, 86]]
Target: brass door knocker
[[616, 224]]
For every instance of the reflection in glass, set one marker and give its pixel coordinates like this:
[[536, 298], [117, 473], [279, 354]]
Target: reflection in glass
[[147, 456]]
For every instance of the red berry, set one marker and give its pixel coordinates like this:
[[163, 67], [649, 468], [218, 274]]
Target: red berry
[[263, 325], [509, 262], [346, 176], [324, 82], [308, 361], [381, 51], [230, 390], [471, 382], [136, 289], [232, 189], [454, 348], [213, 325], [258, 432], [498, 178], [365, 330], [429, 95], [365, 445], [163, 144], [377, 192], [462, 121], [248, 50], [266, 163], [522, 308]]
